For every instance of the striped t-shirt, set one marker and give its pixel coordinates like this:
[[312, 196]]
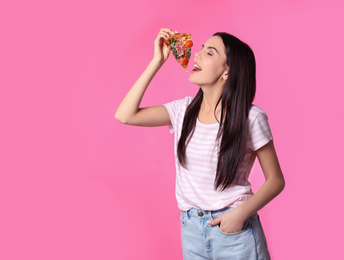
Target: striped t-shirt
[[195, 185]]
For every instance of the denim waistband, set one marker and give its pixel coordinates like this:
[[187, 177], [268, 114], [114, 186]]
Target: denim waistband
[[210, 214], [197, 212]]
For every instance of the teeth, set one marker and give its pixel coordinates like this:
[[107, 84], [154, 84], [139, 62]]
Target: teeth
[[197, 66]]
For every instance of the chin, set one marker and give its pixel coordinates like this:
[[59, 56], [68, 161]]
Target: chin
[[193, 82], [192, 79], [197, 81]]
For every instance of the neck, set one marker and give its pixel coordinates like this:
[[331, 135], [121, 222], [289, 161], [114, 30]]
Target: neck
[[210, 99]]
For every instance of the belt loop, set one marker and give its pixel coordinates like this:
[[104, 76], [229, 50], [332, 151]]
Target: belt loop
[[187, 212]]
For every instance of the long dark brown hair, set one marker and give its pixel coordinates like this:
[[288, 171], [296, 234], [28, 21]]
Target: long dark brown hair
[[236, 100]]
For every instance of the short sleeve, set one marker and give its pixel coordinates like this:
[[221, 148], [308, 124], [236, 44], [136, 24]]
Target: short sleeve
[[260, 132], [173, 108]]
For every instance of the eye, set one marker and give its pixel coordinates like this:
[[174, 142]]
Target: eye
[[210, 54]]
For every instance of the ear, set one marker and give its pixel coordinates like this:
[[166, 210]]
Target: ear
[[225, 74]]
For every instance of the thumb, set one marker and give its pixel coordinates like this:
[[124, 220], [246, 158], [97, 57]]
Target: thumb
[[214, 221]]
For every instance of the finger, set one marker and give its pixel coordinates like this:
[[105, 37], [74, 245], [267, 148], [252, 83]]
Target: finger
[[163, 39], [166, 31], [169, 31], [164, 35], [214, 221]]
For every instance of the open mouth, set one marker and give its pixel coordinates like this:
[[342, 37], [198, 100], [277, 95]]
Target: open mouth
[[196, 68]]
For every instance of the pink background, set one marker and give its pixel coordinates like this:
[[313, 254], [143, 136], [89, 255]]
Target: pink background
[[77, 184]]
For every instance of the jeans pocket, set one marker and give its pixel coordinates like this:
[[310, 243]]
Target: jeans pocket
[[243, 231], [247, 227]]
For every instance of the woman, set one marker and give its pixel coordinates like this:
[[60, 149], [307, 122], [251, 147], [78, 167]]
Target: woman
[[219, 218]]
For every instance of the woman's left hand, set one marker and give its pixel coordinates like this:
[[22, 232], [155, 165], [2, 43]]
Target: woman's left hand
[[230, 222]]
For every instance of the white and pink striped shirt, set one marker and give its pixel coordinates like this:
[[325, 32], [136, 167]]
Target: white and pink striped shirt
[[195, 185]]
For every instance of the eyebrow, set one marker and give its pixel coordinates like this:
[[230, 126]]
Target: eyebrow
[[211, 48]]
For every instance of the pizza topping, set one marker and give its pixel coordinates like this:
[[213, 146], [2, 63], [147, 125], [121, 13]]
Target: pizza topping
[[180, 45], [188, 52], [183, 61], [189, 43], [179, 48], [173, 41]]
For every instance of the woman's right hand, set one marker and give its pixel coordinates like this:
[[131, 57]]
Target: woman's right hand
[[161, 51]]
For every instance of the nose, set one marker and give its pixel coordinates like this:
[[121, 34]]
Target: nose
[[197, 55]]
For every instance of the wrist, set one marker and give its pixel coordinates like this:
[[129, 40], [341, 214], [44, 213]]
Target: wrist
[[156, 63], [242, 211]]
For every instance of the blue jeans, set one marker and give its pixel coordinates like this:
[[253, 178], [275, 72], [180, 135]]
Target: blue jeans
[[203, 241]]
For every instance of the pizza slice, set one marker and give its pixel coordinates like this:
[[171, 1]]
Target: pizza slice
[[180, 45]]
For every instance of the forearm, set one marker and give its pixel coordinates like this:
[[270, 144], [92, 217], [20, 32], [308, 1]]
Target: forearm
[[268, 191], [131, 102]]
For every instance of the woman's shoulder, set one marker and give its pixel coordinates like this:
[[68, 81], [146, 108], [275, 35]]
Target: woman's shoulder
[[179, 104], [185, 101], [255, 111], [188, 99]]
